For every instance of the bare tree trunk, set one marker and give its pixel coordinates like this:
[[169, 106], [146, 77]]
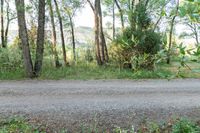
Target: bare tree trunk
[[102, 37], [7, 29], [171, 33], [57, 64], [2, 25], [113, 9], [40, 38], [8, 22], [101, 34], [160, 17], [24, 37], [61, 32], [97, 34], [157, 22], [73, 37], [100, 42], [106, 53], [97, 41], [121, 13], [194, 28], [196, 35]]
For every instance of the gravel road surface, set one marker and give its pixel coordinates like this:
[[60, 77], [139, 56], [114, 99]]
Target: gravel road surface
[[108, 103]]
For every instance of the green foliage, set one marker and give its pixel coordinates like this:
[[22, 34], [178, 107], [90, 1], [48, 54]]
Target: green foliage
[[138, 44], [86, 72], [137, 47], [10, 59], [15, 125], [182, 125], [139, 18], [197, 52], [88, 55], [185, 126], [185, 58], [191, 9], [92, 71], [149, 42]]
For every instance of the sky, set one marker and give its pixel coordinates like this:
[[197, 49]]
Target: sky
[[85, 17]]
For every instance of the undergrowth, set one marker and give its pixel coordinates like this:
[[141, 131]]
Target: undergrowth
[[182, 125]]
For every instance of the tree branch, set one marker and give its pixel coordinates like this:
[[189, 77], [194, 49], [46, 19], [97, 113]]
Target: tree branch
[[91, 5]]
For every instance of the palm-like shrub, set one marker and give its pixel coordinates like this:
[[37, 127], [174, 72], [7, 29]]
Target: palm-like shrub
[[138, 41]]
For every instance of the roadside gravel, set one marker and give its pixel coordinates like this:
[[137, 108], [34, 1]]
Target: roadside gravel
[[108, 103]]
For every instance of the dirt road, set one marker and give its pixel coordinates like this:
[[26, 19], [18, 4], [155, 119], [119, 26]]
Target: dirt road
[[71, 104]]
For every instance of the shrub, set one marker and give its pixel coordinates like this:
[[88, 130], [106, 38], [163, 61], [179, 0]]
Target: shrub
[[15, 125], [136, 45], [88, 55], [185, 126], [10, 59], [138, 41]]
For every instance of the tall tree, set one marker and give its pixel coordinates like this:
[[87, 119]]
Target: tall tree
[[40, 38], [96, 19], [61, 32], [24, 37], [195, 30], [71, 23], [104, 50], [121, 13], [113, 14], [10, 17], [101, 48], [171, 33], [54, 43], [70, 8], [110, 11], [2, 25]]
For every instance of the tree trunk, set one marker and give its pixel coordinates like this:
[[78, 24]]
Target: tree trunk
[[102, 37], [40, 38], [97, 41], [7, 25], [196, 34], [8, 22], [61, 32], [24, 37], [6, 32], [113, 9], [101, 49], [57, 64], [73, 37], [7, 29], [121, 13], [194, 29], [101, 34], [171, 33], [106, 52], [2, 25], [157, 22]]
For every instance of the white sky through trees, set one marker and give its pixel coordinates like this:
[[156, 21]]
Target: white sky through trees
[[85, 17]]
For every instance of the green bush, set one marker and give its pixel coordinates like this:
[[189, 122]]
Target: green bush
[[138, 41], [15, 125], [185, 126], [88, 55], [10, 59]]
